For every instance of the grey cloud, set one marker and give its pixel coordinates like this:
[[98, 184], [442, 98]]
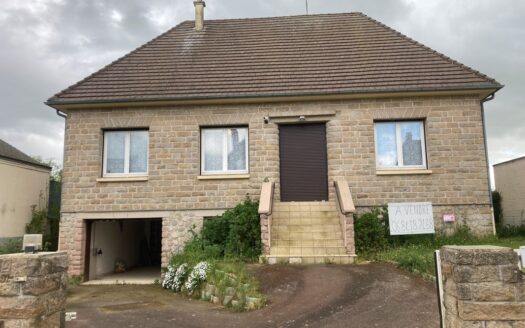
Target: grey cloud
[[50, 44]]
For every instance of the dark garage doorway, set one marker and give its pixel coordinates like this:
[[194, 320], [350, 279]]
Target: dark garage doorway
[[303, 162], [123, 250]]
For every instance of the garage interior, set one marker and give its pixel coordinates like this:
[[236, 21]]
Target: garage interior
[[123, 251]]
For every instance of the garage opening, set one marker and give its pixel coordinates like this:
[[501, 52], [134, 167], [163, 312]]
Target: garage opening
[[123, 251]]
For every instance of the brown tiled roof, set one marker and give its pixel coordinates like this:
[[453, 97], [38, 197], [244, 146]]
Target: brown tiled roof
[[11, 153], [278, 56]]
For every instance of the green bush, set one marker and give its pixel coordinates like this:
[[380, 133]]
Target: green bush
[[215, 232], [504, 231], [371, 231], [244, 237], [10, 246], [196, 251], [235, 235], [39, 224]]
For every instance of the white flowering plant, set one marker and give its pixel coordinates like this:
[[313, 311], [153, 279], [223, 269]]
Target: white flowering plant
[[180, 275], [197, 276], [167, 283]]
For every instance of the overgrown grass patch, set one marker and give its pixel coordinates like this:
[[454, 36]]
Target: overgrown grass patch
[[416, 253], [10, 246], [419, 257]]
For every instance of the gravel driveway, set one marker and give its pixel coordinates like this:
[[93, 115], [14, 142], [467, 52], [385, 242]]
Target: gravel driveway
[[372, 295]]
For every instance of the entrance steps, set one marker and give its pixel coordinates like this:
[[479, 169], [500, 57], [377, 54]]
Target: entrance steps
[[306, 233]]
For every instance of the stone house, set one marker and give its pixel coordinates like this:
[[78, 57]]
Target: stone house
[[24, 186], [190, 123], [510, 182]]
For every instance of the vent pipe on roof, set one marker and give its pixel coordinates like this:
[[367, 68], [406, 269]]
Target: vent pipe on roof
[[199, 14]]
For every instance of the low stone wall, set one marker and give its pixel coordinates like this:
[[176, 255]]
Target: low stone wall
[[33, 290], [483, 287]]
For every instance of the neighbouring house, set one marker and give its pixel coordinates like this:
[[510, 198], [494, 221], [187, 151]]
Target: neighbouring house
[[310, 114], [510, 182], [24, 187]]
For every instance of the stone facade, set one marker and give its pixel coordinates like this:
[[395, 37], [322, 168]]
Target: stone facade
[[33, 290], [483, 287], [454, 143]]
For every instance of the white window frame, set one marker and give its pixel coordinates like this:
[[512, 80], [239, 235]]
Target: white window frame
[[127, 145], [225, 170], [399, 146]]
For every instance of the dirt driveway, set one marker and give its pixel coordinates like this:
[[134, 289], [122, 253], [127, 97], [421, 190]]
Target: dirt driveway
[[373, 295]]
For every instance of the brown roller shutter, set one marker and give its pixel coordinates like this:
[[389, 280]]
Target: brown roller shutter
[[303, 158]]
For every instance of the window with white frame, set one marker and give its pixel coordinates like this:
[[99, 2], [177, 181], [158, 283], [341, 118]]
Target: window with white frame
[[125, 152], [400, 145], [224, 150]]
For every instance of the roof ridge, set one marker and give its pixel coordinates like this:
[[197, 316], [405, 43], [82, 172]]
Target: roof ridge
[[453, 61], [284, 16], [57, 95]]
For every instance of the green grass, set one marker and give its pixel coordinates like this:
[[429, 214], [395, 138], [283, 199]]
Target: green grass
[[417, 254], [236, 275], [10, 246]]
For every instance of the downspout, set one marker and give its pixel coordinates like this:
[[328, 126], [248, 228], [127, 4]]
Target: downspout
[[482, 103], [63, 115]]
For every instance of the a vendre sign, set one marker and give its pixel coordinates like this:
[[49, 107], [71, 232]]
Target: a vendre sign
[[411, 218]]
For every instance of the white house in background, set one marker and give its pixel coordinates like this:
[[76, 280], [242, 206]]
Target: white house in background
[[510, 182], [24, 185]]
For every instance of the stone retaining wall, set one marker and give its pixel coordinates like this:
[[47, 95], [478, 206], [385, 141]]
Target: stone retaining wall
[[483, 287], [33, 290]]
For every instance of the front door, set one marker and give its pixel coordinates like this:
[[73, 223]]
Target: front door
[[303, 162]]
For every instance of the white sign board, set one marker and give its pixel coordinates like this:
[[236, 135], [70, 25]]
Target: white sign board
[[410, 218]]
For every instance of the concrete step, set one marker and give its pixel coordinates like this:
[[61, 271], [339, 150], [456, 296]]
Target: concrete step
[[306, 228], [333, 259], [304, 215], [307, 251], [307, 242], [303, 206], [305, 221], [306, 235]]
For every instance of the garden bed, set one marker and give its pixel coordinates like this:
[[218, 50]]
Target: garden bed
[[225, 283], [212, 266]]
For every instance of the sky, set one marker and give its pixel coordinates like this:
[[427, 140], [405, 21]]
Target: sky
[[47, 45]]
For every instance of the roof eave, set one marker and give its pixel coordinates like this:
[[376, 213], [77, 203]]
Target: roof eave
[[26, 162], [482, 90]]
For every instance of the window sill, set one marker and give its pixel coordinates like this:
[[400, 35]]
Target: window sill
[[403, 172], [123, 179], [223, 177]]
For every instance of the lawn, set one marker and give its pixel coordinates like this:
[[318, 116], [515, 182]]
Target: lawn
[[417, 255]]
